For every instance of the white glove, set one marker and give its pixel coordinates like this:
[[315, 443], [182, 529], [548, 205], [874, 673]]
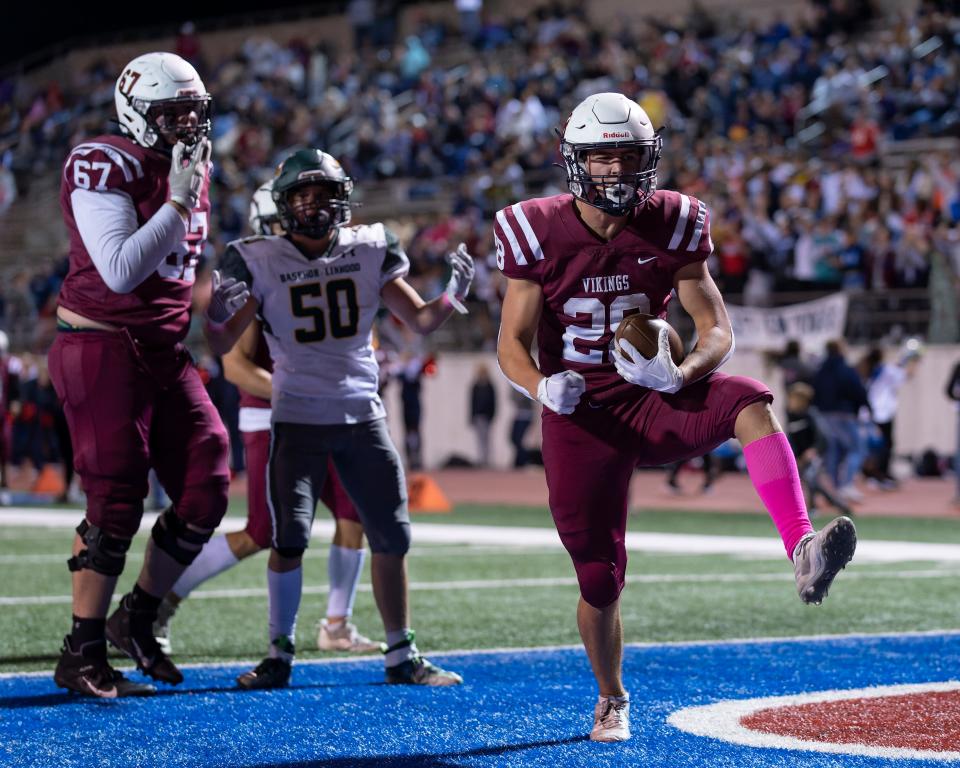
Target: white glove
[[459, 285], [227, 297], [186, 180], [561, 392], [659, 372]]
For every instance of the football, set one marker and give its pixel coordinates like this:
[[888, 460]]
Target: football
[[643, 331]]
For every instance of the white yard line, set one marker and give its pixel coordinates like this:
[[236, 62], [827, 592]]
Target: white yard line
[[561, 581], [315, 553], [500, 536]]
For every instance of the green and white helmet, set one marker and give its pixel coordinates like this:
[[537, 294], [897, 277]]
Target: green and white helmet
[[307, 167]]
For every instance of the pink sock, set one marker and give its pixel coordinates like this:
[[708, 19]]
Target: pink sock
[[773, 471]]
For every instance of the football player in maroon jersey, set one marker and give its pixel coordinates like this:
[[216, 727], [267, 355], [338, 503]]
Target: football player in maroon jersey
[[577, 264], [137, 212]]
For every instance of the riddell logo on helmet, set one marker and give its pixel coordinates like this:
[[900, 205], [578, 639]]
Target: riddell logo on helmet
[[618, 135]]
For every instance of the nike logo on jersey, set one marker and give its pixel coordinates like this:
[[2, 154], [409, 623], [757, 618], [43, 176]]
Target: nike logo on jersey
[[644, 261], [606, 283]]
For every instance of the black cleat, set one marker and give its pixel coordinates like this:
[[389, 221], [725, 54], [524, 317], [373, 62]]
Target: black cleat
[[269, 673], [131, 632], [90, 674]]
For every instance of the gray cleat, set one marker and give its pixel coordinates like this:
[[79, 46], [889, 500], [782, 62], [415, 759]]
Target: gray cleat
[[819, 557]]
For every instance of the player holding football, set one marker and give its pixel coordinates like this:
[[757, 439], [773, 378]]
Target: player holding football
[[249, 367], [576, 265], [317, 291], [137, 212]]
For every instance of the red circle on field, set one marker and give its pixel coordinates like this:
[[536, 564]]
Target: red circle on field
[[927, 721]]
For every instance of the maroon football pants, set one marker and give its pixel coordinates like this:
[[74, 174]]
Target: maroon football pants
[[589, 458], [129, 408], [259, 523]]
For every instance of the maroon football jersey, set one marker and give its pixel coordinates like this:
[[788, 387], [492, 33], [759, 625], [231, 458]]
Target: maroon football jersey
[[158, 310], [261, 358], [590, 285]]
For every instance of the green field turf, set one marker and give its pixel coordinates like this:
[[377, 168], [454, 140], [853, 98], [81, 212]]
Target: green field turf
[[467, 597]]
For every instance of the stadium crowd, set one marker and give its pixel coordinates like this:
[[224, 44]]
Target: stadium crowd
[[472, 114]]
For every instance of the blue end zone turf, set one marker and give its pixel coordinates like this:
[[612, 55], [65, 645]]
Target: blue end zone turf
[[515, 709]]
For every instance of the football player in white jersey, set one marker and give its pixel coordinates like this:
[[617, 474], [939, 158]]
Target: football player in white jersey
[[317, 291], [248, 366]]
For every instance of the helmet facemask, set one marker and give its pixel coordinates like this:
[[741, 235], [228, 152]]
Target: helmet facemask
[[614, 194], [314, 218], [164, 118]]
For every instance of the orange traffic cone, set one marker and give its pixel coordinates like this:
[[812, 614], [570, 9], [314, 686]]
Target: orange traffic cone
[[49, 481], [425, 495]]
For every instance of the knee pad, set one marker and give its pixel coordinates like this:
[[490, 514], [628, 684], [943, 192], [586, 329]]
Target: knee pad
[[104, 554], [600, 570], [177, 539], [290, 553]]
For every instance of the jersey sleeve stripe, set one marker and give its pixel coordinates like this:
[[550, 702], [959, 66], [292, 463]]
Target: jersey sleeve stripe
[[137, 168], [528, 232], [698, 227], [518, 256], [681, 223]]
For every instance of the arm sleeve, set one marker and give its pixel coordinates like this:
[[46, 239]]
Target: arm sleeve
[[395, 261], [232, 265], [124, 254]]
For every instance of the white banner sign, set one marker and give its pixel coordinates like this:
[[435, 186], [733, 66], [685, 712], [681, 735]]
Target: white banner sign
[[812, 323]]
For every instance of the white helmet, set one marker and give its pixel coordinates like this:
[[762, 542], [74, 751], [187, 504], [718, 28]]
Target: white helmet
[[151, 87], [263, 211], [605, 121]]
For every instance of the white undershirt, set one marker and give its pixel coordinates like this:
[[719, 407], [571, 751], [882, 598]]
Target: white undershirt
[[124, 254]]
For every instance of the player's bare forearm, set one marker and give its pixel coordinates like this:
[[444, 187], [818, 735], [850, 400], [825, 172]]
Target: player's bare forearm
[[713, 344], [701, 298], [240, 369], [519, 318], [418, 315], [517, 364], [221, 338]]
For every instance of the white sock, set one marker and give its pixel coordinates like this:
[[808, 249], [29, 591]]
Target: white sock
[[214, 558], [285, 589], [400, 655], [343, 569]]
